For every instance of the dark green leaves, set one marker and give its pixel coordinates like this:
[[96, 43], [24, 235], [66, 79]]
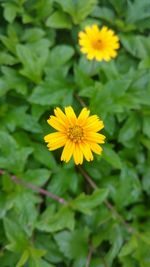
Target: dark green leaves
[[42, 67], [85, 203]]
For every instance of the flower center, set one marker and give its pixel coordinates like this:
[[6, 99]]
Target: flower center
[[75, 133], [97, 44]]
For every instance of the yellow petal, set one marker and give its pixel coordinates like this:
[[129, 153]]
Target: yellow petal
[[85, 148], [84, 114], [60, 116], [95, 137], [61, 141], [77, 155], [71, 115], [56, 124], [53, 137], [96, 148], [95, 125], [67, 151]]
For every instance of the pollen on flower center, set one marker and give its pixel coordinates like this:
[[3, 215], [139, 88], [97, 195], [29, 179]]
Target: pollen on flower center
[[75, 133], [97, 44]]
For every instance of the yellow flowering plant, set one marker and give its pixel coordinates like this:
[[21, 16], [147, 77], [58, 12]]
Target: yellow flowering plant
[[99, 44], [78, 135]]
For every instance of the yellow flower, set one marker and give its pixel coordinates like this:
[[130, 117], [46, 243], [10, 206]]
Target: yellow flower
[[79, 136], [99, 44]]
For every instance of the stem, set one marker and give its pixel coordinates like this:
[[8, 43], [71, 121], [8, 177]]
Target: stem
[[35, 188], [80, 100], [107, 203], [89, 256]]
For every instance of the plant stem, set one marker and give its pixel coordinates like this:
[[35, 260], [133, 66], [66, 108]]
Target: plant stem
[[107, 203], [80, 100], [35, 188], [89, 256]]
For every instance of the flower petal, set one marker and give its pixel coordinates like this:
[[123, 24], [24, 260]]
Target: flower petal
[[67, 151], [96, 148], [85, 148], [95, 137], [84, 114], [78, 155], [60, 116], [52, 137], [71, 115], [56, 124]]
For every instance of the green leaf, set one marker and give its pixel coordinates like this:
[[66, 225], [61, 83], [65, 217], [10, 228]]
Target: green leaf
[[38, 176], [43, 156], [138, 46], [52, 222], [61, 54], [53, 91], [146, 126], [129, 247], [104, 13], [33, 59], [112, 157], [5, 205], [10, 11], [14, 80], [73, 244], [78, 10], [129, 129], [86, 203], [59, 20], [16, 236], [18, 117], [13, 157], [23, 259], [137, 11]]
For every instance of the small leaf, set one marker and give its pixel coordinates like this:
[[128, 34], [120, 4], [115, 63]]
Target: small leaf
[[23, 259], [86, 203], [112, 157], [129, 247], [52, 222], [59, 20]]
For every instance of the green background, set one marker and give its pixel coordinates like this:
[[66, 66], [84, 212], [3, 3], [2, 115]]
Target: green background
[[41, 68]]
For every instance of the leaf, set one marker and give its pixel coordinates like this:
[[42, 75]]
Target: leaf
[[112, 157], [52, 222], [129, 129], [73, 244], [61, 54], [13, 157], [59, 20], [129, 247], [5, 205], [43, 156], [33, 59], [53, 91], [10, 11], [138, 46], [86, 203], [18, 117], [23, 259], [146, 125], [38, 176], [16, 236], [14, 80], [104, 13], [78, 10], [137, 11]]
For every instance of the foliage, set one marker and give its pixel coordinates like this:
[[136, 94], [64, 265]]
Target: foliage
[[41, 68]]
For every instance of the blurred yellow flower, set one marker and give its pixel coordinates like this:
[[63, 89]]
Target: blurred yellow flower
[[79, 135], [99, 44]]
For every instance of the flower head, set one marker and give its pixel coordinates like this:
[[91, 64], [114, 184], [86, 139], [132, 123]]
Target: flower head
[[78, 135], [98, 44]]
